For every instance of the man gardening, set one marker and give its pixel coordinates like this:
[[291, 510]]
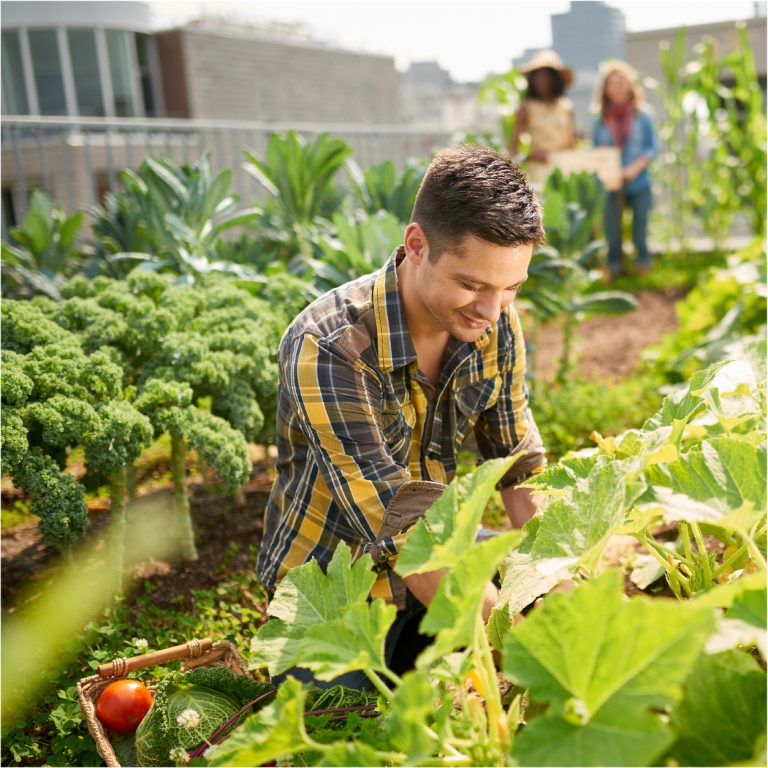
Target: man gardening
[[382, 379]]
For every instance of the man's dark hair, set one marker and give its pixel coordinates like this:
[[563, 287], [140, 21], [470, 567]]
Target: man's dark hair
[[474, 190], [557, 88]]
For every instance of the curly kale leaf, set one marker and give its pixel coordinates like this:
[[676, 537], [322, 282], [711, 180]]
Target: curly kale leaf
[[15, 385], [223, 447], [26, 326], [13, 438], [161, 401], [119, 438], [96, 326], [242, 688], [57, 498], [239, 407], [59, 421]]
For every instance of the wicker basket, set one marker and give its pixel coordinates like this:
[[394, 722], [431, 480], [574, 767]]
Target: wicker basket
[[196, 653]]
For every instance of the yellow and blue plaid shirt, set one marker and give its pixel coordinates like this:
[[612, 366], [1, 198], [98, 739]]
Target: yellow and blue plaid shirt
[[365, 442]]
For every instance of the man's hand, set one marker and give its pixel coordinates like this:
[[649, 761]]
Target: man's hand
[[423, 586], [520, 505]]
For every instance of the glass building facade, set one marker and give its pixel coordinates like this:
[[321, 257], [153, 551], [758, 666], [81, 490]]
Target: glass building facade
[[79, 72]]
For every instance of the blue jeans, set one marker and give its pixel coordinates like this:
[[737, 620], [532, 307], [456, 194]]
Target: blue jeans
[[403, 644], [640, 203]]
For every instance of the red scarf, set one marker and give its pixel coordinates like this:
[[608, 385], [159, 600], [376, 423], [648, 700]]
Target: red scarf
[[618, 118]]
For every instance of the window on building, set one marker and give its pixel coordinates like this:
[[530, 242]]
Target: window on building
[[121, 68], [14, 90], [85, 70], [146, 59], [46, 63]]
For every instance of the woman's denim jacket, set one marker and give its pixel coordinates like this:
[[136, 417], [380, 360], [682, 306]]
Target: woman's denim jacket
[[641, 141]]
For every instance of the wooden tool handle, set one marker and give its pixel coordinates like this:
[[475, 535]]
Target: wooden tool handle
[[121, 667]]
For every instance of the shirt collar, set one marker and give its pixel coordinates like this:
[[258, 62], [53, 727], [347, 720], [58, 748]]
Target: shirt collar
[[395, 345]]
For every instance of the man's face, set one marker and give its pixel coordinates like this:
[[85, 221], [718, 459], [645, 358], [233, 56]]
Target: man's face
[[464, 292]]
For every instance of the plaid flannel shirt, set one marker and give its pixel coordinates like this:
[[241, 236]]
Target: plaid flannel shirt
[[365, 443]]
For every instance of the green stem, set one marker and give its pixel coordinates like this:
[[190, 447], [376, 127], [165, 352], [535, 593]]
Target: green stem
[[686, 537], [184, 528], [380, 685], [487, 672], [392, 676], [726, 563], [754, 550], [703, 554], [130, 482], [672, 573], [118, 504]]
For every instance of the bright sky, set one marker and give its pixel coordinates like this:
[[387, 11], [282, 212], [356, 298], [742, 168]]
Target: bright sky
[[469, 38]]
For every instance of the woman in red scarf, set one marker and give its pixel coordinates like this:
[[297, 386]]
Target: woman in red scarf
[[625, 122]]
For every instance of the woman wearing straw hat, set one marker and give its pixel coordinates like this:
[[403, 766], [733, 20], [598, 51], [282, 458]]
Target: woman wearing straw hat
[[545, 114]]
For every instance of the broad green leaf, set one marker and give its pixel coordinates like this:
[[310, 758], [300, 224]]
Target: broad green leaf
[[567, 530], [307, 598], [273, 733], [455, 610], [443, 536], [612, 737], [605, 303], [564, 474], [574, 527], [723, 712], [680, 407], [604, 663], [353, 642], [524, 579], [744, 624], [722, 483], [346, 753], [750, 606], [412, 710], [724, 595]]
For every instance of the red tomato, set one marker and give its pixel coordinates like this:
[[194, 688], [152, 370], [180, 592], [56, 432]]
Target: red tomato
[[123, 704]]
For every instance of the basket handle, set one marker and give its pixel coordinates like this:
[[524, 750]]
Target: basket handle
[[120, 667]]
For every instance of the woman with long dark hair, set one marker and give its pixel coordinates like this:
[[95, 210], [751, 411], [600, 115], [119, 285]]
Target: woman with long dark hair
[[625, 122]]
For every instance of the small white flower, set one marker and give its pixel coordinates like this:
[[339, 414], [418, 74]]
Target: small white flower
[[189, 719], [140, 643], [179, 756]]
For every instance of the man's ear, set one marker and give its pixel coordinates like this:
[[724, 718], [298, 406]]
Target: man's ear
[[415, 243]]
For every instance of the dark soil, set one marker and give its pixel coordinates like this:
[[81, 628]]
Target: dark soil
[[227, 534], [610, 348]]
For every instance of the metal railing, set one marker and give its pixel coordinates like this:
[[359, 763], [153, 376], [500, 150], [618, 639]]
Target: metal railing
[[77, 160]]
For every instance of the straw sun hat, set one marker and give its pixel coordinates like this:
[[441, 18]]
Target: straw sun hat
[[549, 60]]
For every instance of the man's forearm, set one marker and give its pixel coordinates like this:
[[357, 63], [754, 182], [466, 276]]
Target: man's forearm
[[424, 586], [520, 505]]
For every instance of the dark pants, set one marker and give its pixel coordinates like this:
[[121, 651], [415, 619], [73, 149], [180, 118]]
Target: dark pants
[[640, 204]]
